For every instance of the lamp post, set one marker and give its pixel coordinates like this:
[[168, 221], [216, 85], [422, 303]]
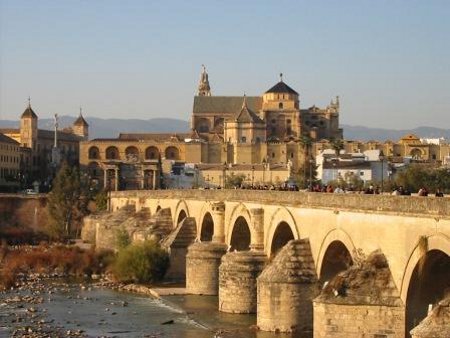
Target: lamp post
[[381, 157]]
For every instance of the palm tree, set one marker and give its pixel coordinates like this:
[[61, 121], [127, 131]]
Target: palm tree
[[307, 143]]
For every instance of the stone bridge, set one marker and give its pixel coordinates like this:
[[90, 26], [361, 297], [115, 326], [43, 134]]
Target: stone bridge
[[325, 235]]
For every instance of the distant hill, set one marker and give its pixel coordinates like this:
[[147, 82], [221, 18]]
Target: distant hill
[[361, 133], [107, 128]]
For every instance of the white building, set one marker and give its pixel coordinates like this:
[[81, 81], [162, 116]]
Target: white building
[[365, 166]]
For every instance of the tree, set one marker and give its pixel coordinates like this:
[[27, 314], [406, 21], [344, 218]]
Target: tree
[[337, 145], [67, 202], [307, 143], [234, 180]]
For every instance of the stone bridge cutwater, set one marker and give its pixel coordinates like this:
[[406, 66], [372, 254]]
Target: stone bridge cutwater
[[332, 265]]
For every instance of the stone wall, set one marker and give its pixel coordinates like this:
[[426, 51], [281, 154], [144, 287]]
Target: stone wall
[[24, 210], [202, 268], [359, 320], [411, 205]]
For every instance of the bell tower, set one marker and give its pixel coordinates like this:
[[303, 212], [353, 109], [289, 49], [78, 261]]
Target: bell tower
[[28, 127], [203, 86]]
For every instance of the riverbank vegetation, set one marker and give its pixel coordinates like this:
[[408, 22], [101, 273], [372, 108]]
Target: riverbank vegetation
[[58, 260], [144, 262]]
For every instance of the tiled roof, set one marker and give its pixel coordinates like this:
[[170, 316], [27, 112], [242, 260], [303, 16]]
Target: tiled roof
[[282, 87], [50, 134], [224, 104], [6, 139], [80, 121], [152, 136], [29, 113], [245, 115]]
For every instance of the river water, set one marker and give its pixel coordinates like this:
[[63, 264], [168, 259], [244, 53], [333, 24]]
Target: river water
[[102, 312]]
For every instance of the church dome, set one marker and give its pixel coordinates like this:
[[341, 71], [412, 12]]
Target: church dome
[[281, 88]]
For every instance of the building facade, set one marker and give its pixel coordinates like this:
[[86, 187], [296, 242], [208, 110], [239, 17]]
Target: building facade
[[37, 144], [269, 129], [9, 163]]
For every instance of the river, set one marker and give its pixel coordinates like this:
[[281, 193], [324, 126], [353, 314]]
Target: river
[[102, 312]]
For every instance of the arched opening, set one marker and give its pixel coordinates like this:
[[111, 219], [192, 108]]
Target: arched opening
[[337, 258], [430, 283], [240, 238], [132, 153], [282, 235], [416, 154], [112, 153], [207, 230], [218, 125], [151, 153], [202, 125], [181, 216], [172, 153], [94, 153], [158, 208]]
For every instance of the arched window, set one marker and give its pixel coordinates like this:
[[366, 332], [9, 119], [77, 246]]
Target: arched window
[[112, 153], [151, 153], [280, 105], [94, 153], [172, 153], [132, 153], [243, 139]]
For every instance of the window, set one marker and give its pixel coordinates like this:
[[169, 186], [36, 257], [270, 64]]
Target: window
[[280, 105], [243, 139], [258, 140], [361, 173], [288, 121], [433, 156], [273, 155], [292, 155]]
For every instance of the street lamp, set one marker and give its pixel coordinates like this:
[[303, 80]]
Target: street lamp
[[381, 157]]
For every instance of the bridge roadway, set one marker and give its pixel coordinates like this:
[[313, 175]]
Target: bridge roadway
[[404, 228]]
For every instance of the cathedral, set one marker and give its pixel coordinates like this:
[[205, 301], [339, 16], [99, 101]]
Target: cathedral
[[269, 132]]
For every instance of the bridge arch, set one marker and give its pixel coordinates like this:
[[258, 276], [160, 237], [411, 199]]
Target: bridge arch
[[240, 235], [336, 242], [438, 242], [180, 207], [281, 215], [427, 277], [281, 236], [207, 227]]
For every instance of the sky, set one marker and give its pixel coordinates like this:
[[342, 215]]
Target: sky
[[388, 60]]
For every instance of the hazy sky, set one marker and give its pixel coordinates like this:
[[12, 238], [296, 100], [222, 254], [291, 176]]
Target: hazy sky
[[388, 60]]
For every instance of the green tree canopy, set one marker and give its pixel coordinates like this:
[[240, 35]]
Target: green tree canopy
[[67, 202]]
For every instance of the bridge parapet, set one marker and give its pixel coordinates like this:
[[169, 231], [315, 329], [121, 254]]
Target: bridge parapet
[[410, 205]]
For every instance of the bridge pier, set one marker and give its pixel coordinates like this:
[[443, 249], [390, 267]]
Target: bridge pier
[[361, 301], [286, 288], [202, 267], [218, 215], [237, 280]]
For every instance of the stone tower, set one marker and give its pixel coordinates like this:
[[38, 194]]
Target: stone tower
[[28, 128], [81, 127], [203, 86]]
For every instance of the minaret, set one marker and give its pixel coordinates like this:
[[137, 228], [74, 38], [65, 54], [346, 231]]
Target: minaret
[[81, 127], [203, 86], [28, 128]]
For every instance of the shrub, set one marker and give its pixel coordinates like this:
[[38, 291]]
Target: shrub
[[142, 263], [122, 238]]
